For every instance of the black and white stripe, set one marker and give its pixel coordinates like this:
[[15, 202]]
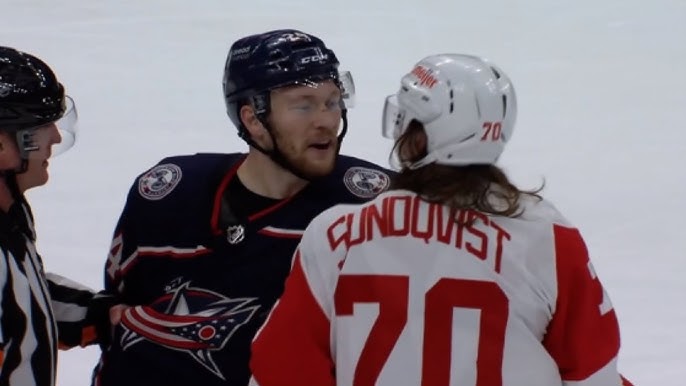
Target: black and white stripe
[[28, 331], [35, 305], [73, 306]]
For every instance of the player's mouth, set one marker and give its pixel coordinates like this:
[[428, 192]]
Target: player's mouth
[[321, 145]]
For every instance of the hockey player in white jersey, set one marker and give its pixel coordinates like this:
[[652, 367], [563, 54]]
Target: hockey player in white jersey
[[453, 277]]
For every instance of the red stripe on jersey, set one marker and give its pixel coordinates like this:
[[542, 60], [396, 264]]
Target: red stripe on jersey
[[293, 346], [270, 209], [164, 252], [583, 335], [281, 233], [216, 209], [171, 252]]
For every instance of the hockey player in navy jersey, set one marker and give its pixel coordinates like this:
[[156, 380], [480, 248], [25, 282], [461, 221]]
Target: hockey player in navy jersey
[[205, 241]]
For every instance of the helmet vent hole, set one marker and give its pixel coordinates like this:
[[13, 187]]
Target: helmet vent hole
[[504, 105], [496, 73], [478, 106], [467, 138]]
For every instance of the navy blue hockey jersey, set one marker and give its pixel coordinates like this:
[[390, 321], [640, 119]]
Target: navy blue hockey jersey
[[201, 281]]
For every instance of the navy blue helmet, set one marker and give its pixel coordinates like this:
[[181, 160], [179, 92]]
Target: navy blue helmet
[[30, 94], [259, 63]]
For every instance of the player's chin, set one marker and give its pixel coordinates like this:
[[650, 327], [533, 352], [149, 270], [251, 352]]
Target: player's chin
[[41, 178], [32, 179]]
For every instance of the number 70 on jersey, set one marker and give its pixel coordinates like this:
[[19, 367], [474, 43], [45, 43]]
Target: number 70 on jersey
[[391, 293]]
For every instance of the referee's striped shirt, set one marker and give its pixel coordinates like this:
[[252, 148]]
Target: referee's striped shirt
[[29, 315]]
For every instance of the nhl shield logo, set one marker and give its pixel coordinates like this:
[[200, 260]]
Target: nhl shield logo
[[159, 181], [235, 234], [366, 182]]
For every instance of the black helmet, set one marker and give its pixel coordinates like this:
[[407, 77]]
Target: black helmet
[[30, 94], [31, 97]]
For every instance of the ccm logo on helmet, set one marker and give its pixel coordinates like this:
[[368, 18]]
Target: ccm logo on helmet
[[314, 58], [425, 76]]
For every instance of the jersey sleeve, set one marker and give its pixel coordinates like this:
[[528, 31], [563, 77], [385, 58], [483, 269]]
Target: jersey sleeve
[[124, 245], [160, 216], [114, 266], [123, 251], [583, 335], [293, 347], [82, 315]]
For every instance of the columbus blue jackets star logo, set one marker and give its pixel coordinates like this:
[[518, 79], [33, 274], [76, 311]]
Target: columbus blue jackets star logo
[[198, 330]]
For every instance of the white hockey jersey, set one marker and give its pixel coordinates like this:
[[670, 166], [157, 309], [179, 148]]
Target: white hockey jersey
[[396, 292]]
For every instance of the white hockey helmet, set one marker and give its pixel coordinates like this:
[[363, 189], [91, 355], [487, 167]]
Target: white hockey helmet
[[467, 106]]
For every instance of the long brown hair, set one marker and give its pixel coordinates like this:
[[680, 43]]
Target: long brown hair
[[484, 187]]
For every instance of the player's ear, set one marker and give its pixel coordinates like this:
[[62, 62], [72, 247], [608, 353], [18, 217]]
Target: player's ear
[[252, 124], [247, 115]]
